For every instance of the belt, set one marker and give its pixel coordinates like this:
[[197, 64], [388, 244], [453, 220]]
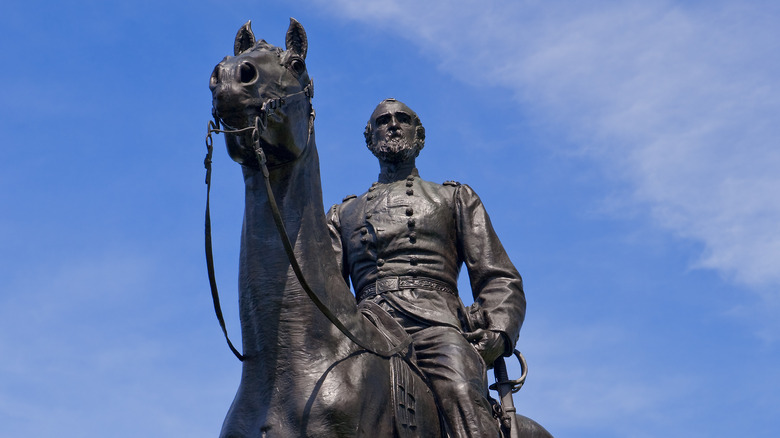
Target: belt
[[394, 284]]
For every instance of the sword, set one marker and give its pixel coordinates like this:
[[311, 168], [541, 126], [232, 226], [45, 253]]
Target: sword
[[506, 388]]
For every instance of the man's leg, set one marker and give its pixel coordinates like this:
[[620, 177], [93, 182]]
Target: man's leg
[[458, 378]]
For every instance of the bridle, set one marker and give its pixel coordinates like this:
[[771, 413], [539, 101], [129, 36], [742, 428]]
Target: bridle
[[259, 126]]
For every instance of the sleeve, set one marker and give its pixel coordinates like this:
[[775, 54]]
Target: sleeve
[[496, 285], [334, 230]]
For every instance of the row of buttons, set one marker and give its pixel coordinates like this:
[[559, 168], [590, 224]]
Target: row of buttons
[[412, 261], [411, 223]]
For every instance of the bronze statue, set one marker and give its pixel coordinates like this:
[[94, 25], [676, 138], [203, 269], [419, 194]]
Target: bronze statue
[[403, 243], [315, 363]]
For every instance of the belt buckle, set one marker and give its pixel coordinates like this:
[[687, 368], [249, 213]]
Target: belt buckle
[[388, 284]]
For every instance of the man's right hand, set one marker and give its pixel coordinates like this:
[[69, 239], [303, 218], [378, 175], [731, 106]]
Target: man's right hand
[[490, 345]]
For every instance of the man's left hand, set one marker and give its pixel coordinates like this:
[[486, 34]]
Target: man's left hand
[[489, 344]]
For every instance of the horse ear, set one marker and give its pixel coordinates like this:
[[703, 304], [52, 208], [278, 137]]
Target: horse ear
[[245, 39], [296, 38]]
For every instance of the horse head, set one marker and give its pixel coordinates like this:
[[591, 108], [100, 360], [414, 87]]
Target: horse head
[[269, 88]]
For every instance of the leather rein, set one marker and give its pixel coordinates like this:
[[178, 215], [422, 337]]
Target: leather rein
[[260, 125]]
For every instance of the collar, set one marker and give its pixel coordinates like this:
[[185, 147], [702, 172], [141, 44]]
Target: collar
[[397, 173]]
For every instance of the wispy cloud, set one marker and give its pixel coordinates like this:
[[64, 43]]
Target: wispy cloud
[[678, 102]]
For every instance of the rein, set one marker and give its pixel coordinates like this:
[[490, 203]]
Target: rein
[[213, 126], [260, 125]]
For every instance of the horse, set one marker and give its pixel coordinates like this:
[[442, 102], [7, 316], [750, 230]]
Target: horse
[[301, 376], [314, 364]]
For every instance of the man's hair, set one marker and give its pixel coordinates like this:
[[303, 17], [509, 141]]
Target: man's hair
[[419, 135]]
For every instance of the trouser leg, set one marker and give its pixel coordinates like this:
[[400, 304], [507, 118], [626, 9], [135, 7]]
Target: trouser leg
[[458, 378]]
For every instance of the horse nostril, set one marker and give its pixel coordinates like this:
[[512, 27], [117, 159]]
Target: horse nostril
[[247, 73], [214, 80]]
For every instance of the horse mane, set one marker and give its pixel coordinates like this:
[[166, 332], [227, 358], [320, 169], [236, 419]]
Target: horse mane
[[262, 44]]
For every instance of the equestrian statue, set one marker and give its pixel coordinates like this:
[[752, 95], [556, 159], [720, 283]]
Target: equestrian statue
[[316, 361]]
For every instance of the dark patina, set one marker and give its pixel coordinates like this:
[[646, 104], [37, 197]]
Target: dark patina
[[314, 361]]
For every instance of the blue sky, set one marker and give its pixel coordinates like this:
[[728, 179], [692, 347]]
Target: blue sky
[[626, 152]]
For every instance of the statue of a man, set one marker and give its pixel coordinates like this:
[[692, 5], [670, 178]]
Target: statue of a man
[[403, 242]]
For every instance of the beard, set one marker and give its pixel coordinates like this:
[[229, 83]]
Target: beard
[[394, 150]]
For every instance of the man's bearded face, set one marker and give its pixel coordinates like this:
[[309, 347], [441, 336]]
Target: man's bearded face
[[394, 132]]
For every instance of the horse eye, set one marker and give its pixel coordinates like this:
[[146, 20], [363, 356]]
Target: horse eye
[[297, 66]]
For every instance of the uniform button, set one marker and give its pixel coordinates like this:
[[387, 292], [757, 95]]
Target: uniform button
[[372, 188], [410, 192], [364, 240], [363, 231], [410, 222], [409, 211], [371, 196], [409, 183], [410, 178], [380, 262], [368, 215], [412, 237], [413, 261]]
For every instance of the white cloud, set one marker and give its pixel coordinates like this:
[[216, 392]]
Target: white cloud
[[678, 101]]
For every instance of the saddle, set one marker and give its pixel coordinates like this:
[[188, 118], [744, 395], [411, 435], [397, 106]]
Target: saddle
[[403, 366]]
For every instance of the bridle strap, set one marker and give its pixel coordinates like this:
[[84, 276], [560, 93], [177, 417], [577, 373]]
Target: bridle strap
[[268, 106], [257, 129]]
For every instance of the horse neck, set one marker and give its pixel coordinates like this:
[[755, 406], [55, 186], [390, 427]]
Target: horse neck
[[277, 317]]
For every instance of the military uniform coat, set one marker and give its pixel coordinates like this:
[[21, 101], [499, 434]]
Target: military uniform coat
[[412, 228]]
